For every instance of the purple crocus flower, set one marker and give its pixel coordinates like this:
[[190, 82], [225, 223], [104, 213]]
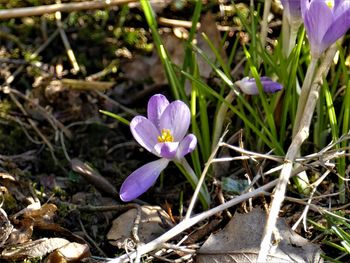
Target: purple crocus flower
[[292, 10], [162, 133], [248, 85], [325, 21]]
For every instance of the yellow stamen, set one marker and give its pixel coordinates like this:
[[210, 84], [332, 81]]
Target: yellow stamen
[[330, 3], [165, 136]]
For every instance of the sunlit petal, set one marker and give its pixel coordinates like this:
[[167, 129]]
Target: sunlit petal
[[338, 28], [142, 179], [317, 19], [187, 145], [156, 106], [325, 22], [176, 117], [167, 149], [248, 85], [144, 132]]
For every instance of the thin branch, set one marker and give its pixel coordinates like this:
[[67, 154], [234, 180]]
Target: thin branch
[[201, 179], [292, 152], [67, 7]]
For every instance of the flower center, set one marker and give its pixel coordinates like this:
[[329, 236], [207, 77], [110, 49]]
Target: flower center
[[330, 3], [165, 136]]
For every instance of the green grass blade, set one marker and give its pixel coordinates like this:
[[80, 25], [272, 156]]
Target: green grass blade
[[174, 83], [241, 115], [115, 116]]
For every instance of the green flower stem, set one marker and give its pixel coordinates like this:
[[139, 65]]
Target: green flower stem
[[293, 37], [285, 36], [305, 90], [289, 35], [301, 180], [192, 178], [220, 118]]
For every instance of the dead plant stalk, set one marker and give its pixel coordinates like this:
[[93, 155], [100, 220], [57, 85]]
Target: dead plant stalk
[[66, 7], [292, 152]]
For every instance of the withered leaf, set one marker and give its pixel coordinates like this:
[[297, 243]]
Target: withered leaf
[[240, 241], [151, 225], [33, 249]]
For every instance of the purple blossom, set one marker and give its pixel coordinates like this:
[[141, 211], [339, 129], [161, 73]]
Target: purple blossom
[[162, 133], [292, 10], [248, 85], [325, 21]]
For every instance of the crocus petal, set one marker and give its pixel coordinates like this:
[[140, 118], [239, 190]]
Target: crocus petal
[[317, 19], [340, 7], [144, 132], [142, 179], [337, 29], [269, 85], [176, 117], [248, 85], [167, 149], [304, 6], [292, 11], [156, 106], [187, 145]]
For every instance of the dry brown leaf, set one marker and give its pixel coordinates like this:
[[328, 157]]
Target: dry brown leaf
[[5, 175], [5, 227], [240, 240], [37, 248], [46, 212], [22, 232], [72, 252], [151, 225]]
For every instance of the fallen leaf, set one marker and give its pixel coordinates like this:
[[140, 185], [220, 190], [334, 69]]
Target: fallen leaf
[[37, 248], [72, 252], [240, 240], [5, 227], [150, 227], [22, 232]]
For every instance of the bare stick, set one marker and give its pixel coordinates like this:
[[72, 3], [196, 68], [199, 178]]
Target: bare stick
[[176, 23], [67, 7], [65, 41], [292, 152], [264, 22], [201, 179]]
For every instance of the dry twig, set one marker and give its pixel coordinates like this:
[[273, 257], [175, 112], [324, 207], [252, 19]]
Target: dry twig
[[67, 7], [292, 152]]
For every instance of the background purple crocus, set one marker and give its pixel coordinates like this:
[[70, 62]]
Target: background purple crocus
[[162, 133], [292, 10], [325, 22], [248, 85]]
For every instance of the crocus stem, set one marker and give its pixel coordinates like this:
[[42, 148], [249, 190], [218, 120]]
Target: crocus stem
[[293, 36], [301, 180], [289, 35], [195, 182], [220, 118], [285, 36], [305, 90]]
